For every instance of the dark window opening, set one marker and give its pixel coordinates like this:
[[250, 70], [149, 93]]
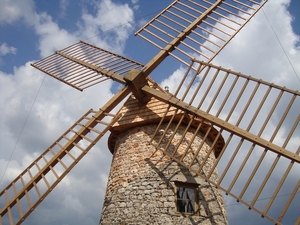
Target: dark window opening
[[186, 197]]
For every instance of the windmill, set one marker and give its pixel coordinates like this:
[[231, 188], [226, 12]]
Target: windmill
[[205, 102]]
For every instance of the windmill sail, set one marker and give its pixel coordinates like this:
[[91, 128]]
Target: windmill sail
[[25, 193], [252, 124], [202, 28], [83, 65], [261, 131]]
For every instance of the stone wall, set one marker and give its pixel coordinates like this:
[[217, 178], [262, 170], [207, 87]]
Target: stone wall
[[141, 185]]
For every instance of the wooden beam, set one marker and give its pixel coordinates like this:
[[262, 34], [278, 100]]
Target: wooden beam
[[221, 123], [98, 69]]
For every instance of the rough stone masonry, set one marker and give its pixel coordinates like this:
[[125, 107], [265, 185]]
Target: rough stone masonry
[[141, 187]]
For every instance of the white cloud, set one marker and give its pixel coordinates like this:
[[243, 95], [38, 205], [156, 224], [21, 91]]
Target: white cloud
[[55, 109], [256, 51], [63, 5], [173, 80], [109, 28], [52, 107], [5, 49], [135, 3], [12, 11], [51, 37], [18, 90], [113, 23]]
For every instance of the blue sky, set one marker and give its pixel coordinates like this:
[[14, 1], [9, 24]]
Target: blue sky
[[36, 109]]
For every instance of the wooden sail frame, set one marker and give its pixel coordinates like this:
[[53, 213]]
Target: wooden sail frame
[[247, 143], [184, 28], [83, 65], [31, 187], [82, 69]]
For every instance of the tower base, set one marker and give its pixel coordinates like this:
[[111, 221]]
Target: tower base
[[147, 187]]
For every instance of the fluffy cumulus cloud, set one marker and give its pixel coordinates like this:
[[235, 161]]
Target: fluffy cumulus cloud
[[266, 46], [5, 49], [18, 10], [110, 16], [99, 27], [31, 119], [49, 32]]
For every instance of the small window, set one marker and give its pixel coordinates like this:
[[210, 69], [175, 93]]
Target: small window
[[186, 197]]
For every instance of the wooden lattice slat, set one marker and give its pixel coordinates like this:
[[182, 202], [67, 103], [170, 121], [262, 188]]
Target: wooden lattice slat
[[83, 65], [52, 165], [198, 27], [260, 124], [248, 103]]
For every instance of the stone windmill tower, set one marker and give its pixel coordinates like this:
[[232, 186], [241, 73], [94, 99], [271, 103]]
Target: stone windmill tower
[[147, 188], [167, 146]]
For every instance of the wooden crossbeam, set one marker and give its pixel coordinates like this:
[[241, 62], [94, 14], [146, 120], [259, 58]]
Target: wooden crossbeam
[[244, 147], [39, 183], [83, 65], [173, 29]]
